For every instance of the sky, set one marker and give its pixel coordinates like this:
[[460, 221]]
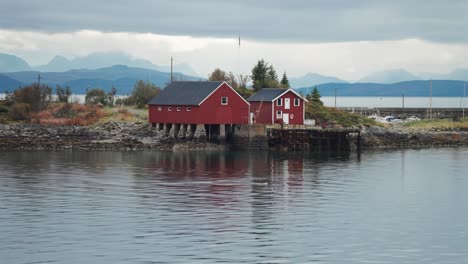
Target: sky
[[346, 39]]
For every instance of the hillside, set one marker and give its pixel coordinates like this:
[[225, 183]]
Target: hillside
[[445, 88], [7, 83]]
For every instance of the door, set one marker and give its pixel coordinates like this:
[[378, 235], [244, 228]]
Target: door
[[287, 103], [286, 119]]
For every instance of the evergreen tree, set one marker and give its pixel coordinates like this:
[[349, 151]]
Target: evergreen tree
[[315, 96], [259, 75], [285, 81], [272, 78]]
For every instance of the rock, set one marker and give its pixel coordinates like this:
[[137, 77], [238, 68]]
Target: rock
[[376, 130]]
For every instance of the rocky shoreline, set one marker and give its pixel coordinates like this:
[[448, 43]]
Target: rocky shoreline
[[138, 136], [401, 137], [108, 136]]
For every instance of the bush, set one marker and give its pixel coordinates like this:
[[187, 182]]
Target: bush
[[63, 94], [3, 109], [96, 96], [142, 93], [69, 114], [20, 111], [321, 114], [37, 97]]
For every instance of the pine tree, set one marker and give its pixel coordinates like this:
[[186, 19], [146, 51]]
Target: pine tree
[[284, 81], [259, 75], [272, 78], [315, 97]]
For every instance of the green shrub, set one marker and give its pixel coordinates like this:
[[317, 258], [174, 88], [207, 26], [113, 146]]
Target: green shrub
[[3, 109], [96, 96], [320, 113], [142, 93]]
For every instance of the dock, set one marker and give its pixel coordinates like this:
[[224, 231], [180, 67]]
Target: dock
[[314, 139]]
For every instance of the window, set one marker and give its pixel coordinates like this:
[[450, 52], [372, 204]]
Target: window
[[189, 109], [297, 102], [178, 109], [159, 108], [279, 114], [224, 100], [169, 108], [279, 102]]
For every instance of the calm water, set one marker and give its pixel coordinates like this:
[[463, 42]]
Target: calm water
[[410, 102], [405, 206]]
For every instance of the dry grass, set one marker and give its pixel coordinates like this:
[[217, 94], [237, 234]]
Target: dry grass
[[69, 114], [441, 124], [125, 114]]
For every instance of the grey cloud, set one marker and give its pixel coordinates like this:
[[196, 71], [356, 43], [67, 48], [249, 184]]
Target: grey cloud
[[288, 21]]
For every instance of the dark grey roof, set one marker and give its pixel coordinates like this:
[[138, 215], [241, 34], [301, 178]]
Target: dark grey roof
[[266, 95], [184, 93]]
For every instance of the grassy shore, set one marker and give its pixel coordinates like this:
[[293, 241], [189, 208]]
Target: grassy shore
[[438, 124]]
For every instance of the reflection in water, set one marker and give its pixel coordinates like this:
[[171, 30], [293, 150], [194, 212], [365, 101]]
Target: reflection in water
[[233, 207]]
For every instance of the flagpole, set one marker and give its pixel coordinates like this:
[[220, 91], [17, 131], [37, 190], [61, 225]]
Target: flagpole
[[238, 57]]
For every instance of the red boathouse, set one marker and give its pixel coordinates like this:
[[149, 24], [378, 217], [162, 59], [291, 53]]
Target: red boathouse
[[277, 106], [196, 103]]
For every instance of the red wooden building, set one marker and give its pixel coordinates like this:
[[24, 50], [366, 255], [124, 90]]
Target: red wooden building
[[198, 102], [271, 105]]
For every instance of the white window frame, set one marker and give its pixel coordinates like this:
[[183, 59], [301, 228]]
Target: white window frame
[[189, 109], [159, 108], [178, 109], [279, 114], [298, 100], [279, 102], [169, 109], [224, 97]]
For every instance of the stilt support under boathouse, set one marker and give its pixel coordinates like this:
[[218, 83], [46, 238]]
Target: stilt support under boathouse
[[330, 140]]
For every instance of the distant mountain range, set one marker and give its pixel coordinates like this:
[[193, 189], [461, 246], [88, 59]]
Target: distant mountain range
[[105, 70], [12, 63], [389, 76], [448, 88], [121, 77], [401, 75], [311, 79], [383, 77]]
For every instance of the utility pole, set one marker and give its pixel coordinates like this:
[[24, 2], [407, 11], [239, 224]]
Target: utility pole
[[39, 80], [238, 57], [172, 61], [464, 94]]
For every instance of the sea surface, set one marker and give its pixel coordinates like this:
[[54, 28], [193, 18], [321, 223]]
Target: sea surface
[[363, 101], [397, 206]]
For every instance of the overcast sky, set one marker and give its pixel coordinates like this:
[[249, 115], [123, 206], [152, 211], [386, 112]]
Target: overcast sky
[[347, 39]]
